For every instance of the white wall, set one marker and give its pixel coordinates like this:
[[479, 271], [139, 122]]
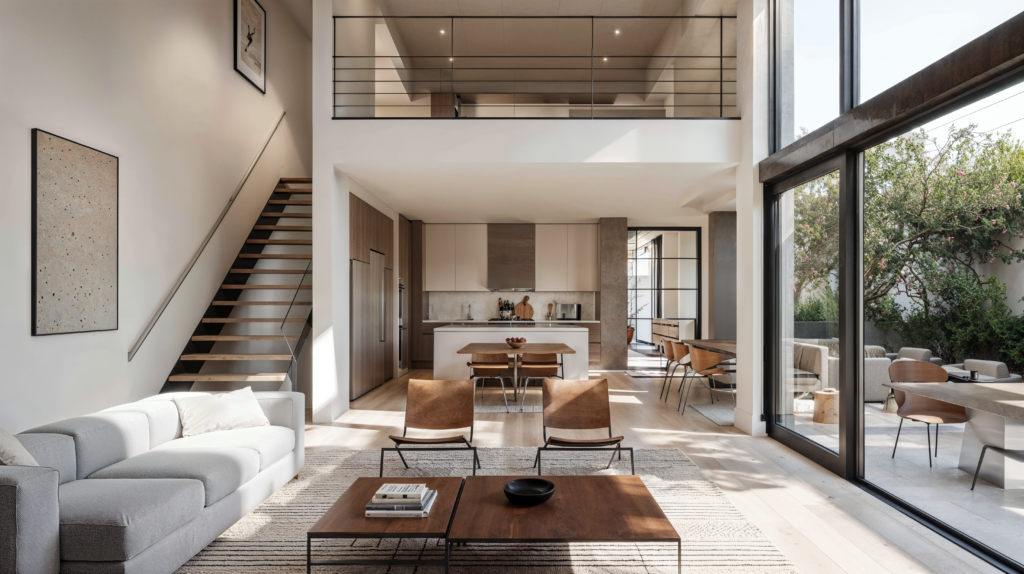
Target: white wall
[[752, 99], [152, 83]]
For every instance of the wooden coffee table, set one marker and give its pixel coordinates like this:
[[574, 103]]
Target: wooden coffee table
[[583, 509], [347, 519]]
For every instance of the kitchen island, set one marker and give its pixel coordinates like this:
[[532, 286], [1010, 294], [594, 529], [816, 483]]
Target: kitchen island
[[449, 365]]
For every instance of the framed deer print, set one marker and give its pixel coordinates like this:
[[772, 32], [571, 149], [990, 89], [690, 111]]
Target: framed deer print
[[251, 42]]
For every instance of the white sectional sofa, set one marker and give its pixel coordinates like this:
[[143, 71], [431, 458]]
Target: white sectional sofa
[[120, 491]]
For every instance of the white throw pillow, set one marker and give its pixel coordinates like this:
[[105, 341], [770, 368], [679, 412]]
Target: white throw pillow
[[13, 453], [224, 411]]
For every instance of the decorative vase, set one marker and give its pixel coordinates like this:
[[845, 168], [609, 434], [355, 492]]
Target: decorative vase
[[629, 334]]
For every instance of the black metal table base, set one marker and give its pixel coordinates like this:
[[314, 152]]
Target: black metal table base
[[310, 563]]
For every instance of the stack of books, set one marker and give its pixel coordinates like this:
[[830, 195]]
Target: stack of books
[[401, 501]]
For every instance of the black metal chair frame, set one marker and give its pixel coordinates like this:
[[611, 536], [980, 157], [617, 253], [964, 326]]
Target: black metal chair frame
[[468, 447], [526, 381], [618, 448], [1014, 455], [481, 378], [927, 431]]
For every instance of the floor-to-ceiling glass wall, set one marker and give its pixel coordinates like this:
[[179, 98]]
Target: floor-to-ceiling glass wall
[[663, 281], [805, 334], [943, 282]]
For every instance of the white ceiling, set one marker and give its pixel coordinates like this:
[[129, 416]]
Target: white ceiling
[[649, 194], [557, 7]]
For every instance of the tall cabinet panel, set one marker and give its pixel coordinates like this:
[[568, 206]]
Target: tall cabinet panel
[[471, 257], [552, 249], [439, 257], [584, 258], [372, 296]]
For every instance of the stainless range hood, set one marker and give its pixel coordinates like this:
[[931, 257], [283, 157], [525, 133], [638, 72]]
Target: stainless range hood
[[511, 257]]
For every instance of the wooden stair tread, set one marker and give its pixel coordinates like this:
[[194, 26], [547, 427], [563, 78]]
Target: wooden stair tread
[[236, 303], [296, 180], [243, 377], [292, 190], [270, 271], [247, 286], [279, 241], [236, 357], [283, 214], [275, 255], [252, 320], [209, 338], [283, 228], [290, 202]]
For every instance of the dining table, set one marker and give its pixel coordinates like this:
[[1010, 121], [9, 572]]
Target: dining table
[[725, 347], [995, 416], [527, 348]]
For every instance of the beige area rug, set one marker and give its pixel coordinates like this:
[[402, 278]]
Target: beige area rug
[[716, 537]]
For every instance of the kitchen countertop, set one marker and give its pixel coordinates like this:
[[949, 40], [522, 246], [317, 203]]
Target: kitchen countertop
[[510, 326], [477, 321]]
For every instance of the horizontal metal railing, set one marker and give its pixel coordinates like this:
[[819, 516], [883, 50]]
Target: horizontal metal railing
[[689, 71]]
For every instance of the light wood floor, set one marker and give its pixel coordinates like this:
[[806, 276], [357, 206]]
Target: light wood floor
[[821, 522]]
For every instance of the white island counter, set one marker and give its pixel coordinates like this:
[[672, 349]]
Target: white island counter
[[450, 366]]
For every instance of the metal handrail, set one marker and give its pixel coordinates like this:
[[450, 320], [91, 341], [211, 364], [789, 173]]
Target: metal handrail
[[188, 268], [293, 365]]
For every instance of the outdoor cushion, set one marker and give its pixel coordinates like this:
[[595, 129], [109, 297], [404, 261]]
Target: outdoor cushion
[[915, 354], [994, 369], [221, 471], [113, 520], [874, 352], [56, 451], [164, 424], [101, 439], [271, 442]]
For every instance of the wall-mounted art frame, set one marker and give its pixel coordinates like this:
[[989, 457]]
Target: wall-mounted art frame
[[251, 43], [74, 237]]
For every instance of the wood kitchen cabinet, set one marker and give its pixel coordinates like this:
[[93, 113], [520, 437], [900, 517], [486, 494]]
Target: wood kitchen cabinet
[[471, 257], [584, 258], [369, 230], [552, 252], [439, 257]]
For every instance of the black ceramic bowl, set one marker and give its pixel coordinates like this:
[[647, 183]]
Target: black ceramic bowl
[[529, 491]]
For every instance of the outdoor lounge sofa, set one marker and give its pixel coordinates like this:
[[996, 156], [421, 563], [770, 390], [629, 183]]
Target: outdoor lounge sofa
[[121, 490], [995, 369]]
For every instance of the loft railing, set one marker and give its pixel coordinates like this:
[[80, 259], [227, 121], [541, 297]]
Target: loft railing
[[297, 322], [534, 67]]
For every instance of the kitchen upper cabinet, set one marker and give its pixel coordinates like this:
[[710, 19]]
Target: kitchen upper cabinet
[[439, 257], [584, 258], [471, 257], [370, 230], [552, 249]]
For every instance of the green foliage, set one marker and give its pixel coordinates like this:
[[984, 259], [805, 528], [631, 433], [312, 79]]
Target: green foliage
[[822, 306]]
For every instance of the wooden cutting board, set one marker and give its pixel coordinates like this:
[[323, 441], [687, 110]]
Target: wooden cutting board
[[524, 310]]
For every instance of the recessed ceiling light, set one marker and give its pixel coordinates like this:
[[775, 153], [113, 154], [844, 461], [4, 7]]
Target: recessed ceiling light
[[442, 31], [451, 59], [606, 59], [616, 31]]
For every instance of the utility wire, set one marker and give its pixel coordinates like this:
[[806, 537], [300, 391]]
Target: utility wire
[[1004, 125], [976, 111]]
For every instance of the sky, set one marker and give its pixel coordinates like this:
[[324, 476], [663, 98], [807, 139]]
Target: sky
[[898, 38]]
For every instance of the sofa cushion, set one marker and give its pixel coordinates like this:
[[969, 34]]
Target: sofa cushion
[[270, 442], [221, 471], [994, 369], [915, 354], [113, 520], [56, 451], [164, 424], [101, 439], [203, 413], [13, 453]]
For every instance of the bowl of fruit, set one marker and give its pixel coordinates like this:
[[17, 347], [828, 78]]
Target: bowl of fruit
[[515, 342]]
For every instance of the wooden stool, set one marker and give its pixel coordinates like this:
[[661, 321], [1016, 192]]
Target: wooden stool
[[826, 406]]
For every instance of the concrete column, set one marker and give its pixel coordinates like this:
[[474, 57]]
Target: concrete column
[[752, 26], [613, 294], [722, 291]]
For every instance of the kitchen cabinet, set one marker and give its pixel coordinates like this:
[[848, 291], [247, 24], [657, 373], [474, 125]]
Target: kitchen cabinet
[[439, 257], [584, 265], [552, 252], [471, 257], [370, 230], [371, 337]]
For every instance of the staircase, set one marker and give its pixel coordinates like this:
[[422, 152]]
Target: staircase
[[254, 329]]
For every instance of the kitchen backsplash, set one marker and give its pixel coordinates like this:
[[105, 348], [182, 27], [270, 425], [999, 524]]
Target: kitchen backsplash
[[453, 306]]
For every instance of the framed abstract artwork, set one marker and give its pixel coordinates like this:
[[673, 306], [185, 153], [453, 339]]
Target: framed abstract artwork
[[251, 42], [74, 237]]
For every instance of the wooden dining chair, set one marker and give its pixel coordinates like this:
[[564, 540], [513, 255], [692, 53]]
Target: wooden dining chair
[[490, 366], [579, 405], [537, 366], [923, 409], [670, 355], [703, 364], [436, 405], [682, 353]]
